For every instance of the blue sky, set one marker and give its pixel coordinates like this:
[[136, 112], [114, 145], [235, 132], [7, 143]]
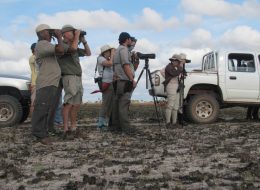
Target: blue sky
[[163, 27]]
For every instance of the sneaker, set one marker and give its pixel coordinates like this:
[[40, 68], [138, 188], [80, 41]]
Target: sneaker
[[168, 125], [67, 135], [45, 141]]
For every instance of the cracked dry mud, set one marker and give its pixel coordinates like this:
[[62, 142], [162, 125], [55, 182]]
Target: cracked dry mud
[[224, 155]]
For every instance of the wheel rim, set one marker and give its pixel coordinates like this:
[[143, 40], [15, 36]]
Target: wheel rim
[[204, 109], [6, 112]]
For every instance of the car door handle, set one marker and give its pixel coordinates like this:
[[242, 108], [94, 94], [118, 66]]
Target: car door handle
[[233, 78]]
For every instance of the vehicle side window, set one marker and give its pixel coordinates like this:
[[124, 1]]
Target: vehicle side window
[[209, 63], [241, 62]]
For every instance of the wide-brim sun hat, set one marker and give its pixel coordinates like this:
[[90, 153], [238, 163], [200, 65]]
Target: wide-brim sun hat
[[175, 57], [105, 48], [184, 58]]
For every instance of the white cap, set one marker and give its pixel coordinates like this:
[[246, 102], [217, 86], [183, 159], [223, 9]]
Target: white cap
[[42, 27]]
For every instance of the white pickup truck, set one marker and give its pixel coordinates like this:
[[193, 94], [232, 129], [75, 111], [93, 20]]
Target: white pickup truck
[[226, 79]]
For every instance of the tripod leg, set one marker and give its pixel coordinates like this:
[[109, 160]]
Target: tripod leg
[[140, 76]]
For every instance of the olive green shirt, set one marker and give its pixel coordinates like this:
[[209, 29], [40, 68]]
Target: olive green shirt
[[69, 62]]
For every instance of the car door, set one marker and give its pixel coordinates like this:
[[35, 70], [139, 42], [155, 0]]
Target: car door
[[242, 77]]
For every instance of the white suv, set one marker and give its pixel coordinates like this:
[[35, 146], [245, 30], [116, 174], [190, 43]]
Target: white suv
[[14, 99]]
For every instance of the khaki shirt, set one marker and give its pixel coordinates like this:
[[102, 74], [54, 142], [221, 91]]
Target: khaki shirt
[[49, 69], [33, 69], [121, 57]]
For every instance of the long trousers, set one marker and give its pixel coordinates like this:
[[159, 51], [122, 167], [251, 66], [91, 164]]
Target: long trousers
[[121, 103], [43, 115], [171, 111]]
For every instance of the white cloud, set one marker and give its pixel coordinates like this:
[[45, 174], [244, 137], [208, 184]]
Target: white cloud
[[200, 38], [222, 8], [150, 19], [101, 19], [85, 19], [13, 50], [192, 20], [18, 67], [241, 37]]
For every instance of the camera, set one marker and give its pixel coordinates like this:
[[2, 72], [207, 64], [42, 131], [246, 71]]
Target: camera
[[97, 79], [145, 56], [83, 33]]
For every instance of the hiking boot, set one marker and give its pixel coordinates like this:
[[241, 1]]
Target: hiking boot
[[67, 135], [75, 133], [45, 141]]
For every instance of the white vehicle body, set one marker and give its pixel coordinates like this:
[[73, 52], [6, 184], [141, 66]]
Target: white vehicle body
[[231, 77]]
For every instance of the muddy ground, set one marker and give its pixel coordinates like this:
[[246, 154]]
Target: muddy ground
[[224, 155]]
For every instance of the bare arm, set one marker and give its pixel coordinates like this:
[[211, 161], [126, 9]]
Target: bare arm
[[86, 47]]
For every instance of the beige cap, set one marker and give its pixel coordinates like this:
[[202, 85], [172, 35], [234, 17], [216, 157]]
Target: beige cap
[[183, 58], [175, 57], [67, 28], [105, 48], [42, 27]]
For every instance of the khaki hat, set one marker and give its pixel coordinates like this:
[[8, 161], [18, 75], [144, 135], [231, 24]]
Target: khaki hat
[[105, 48], [176, 57], [42, 27], [183, 58], [67, 28]]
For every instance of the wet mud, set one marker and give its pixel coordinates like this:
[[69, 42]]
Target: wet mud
[[223, 155]]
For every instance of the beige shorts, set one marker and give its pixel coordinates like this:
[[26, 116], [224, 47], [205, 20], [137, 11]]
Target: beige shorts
[[73, 89]]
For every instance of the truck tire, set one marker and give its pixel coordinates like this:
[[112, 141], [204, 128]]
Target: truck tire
[[203, 108], [26, 111], [10, 111]]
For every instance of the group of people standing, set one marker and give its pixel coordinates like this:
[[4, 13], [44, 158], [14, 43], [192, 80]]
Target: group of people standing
[[57, 67], [117, 68]]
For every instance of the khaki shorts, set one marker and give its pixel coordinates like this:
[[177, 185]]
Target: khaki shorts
[[73, 89]]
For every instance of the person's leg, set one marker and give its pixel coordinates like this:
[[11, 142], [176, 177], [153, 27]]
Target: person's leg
[[107, 103], [33, 96], [115, 108], [73, 116], [43, 101], [171, 96], [175, 108], [54, 105], [123, 106], [65, 114], [58, 113], [101, 118]]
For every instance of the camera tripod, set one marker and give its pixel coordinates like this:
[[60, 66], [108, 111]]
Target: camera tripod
[[149, 76]]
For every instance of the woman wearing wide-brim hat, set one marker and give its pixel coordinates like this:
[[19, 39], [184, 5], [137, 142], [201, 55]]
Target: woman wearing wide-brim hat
[[105, 70], [171, 84]]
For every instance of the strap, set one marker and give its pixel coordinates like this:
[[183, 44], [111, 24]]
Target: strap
[[96, 69]]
